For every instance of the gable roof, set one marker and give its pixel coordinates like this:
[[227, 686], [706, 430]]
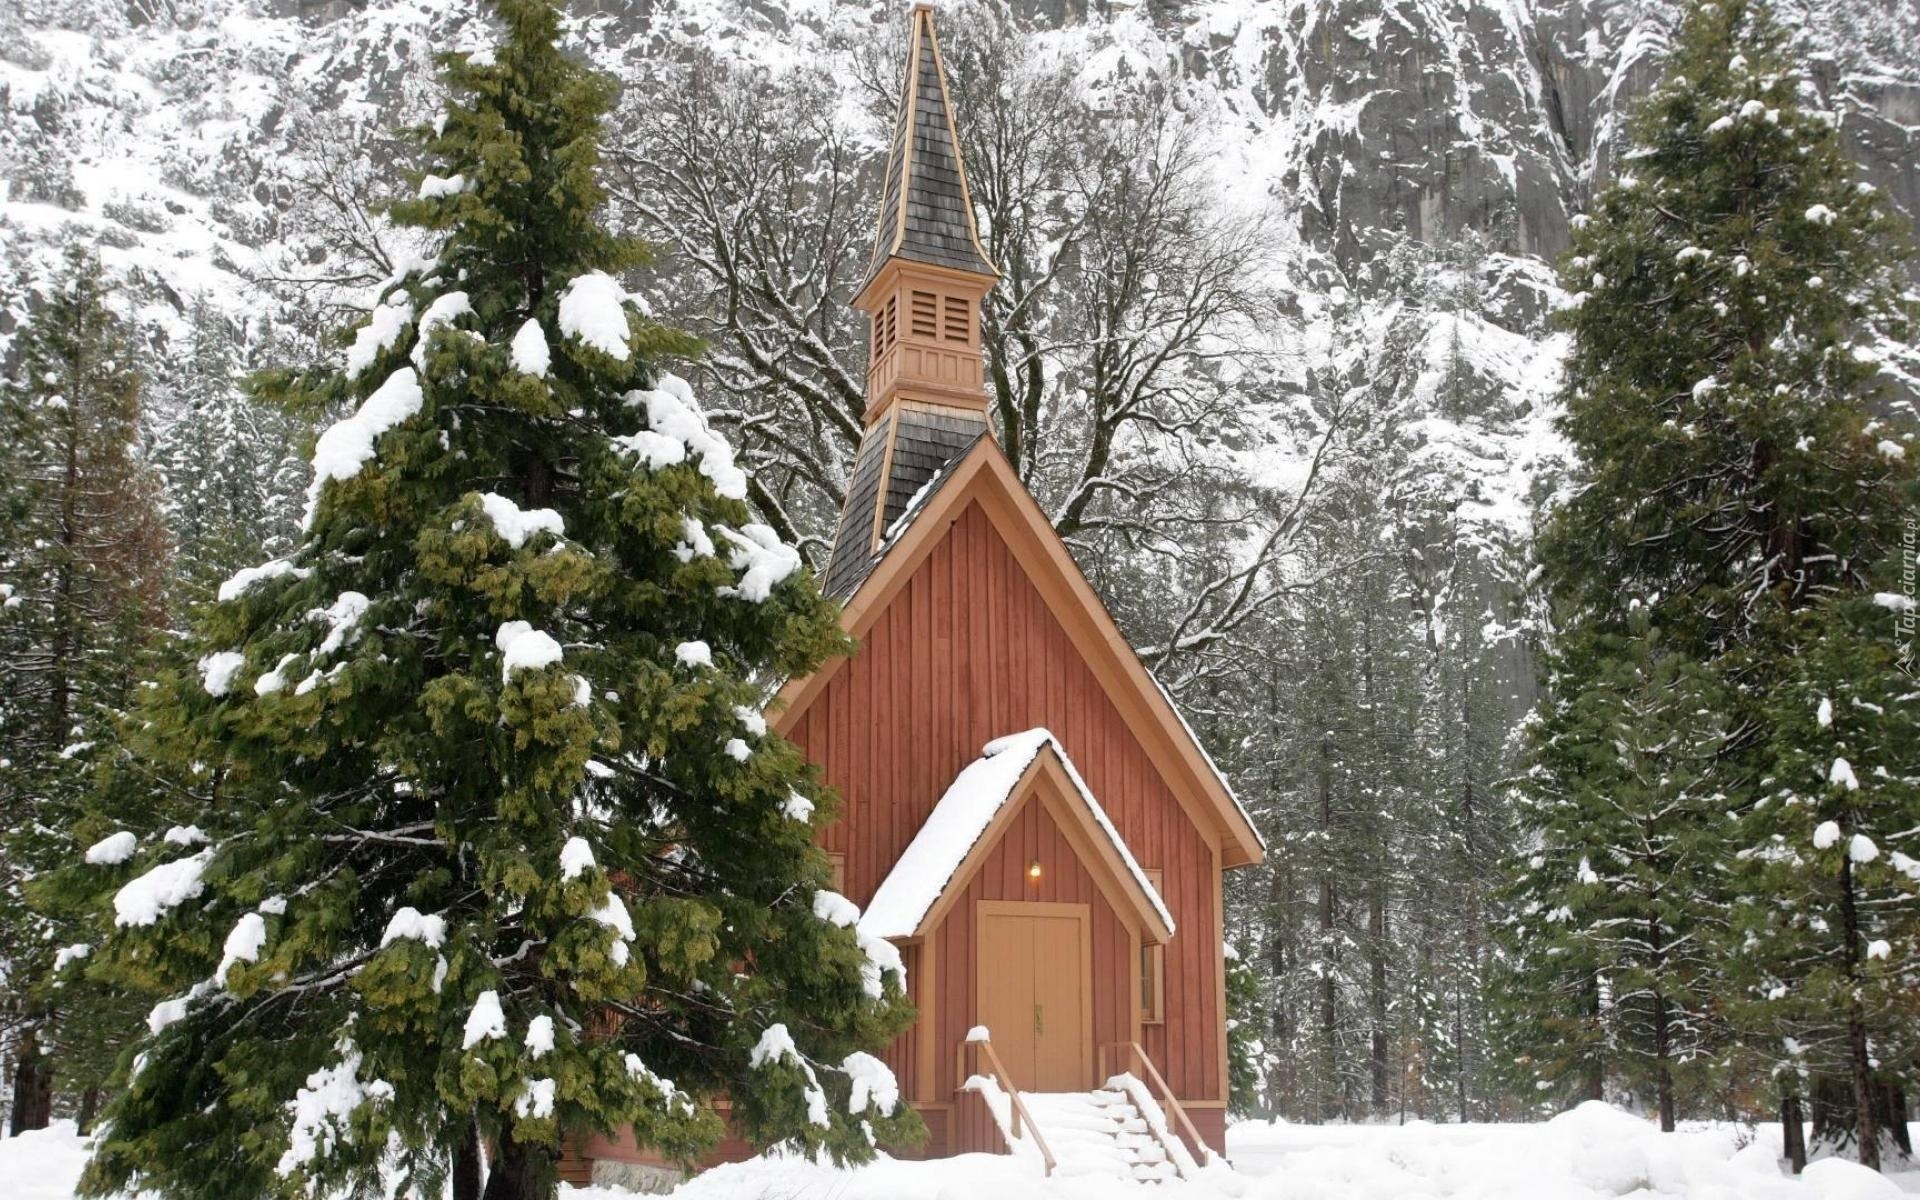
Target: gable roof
[[982, 474], [963, 827], [926, 214]]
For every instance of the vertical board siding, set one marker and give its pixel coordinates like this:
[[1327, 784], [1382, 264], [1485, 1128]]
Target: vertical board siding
[[967, 651]]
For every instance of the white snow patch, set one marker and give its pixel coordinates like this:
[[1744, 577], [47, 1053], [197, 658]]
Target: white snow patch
[[873, 1084], [539, 1041], [763, 560], [835, 909], [777, 1045], [145, 900], [677, 428], [444, 310], [245, 579], [694, 654], [383, 328], [537, 1101], [797, 807], [593, 311], [244, 942], [530, 355], [1861, 848], [218, 669], [435, 186], [486, 1022], [738, 750], [410, 923], [576, 858], [343, 621], [347, 445], [1826, 835], [323, 1109], [524, 648], [112, 850], [694, 541], [613, 914], [515, 524], [1842, 773]]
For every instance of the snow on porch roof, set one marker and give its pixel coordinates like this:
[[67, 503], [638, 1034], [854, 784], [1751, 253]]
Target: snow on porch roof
[[962, 817]]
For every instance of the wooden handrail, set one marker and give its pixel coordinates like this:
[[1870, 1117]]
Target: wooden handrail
[[1150, 1075], [1018, 1106]]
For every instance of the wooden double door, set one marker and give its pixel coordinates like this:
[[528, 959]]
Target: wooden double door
[[1035, 976]]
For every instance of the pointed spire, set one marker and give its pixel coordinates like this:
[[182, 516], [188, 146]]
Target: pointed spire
[[926, 390], [926, 214]]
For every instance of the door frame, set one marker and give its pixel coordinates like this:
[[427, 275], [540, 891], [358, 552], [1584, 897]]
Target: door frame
[[1081, 913]]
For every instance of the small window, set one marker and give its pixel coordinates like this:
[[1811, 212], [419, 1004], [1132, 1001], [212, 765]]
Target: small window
[[893, 321], [959, 325], [1153, 972], [839, 862]]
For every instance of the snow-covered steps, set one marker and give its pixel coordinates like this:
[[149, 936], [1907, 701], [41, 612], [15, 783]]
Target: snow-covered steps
[[1101, 1134]]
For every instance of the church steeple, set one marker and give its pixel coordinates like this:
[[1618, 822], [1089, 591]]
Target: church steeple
[[926, 391]]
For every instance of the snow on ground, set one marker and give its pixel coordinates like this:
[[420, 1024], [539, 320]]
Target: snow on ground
[[1592, 1153]]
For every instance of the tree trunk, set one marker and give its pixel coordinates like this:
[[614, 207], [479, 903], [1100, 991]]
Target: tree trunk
[[1860, 1062], [1330, 1106], [89, 1109], [1663, 1067], [1893, 1117], [466, 1166], [32, 1086], [520, 1172], [1662, 1032], [1460, 1050], [1377, 920], [1793, 1135], [1594, 1072], [1832, 1113]]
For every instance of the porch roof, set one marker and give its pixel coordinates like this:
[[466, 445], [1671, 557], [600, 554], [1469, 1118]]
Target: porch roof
[[958, 832]]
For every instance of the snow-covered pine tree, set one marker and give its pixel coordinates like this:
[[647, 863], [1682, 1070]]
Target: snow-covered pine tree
[[1732, 291], [1729, 293], [1826, 926], [482, 835], [1611, 936], [82, 559]]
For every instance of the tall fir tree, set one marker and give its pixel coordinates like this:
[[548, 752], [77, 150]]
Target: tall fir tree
[[476, 832], [1613, 916], [1732, 291], [82, 564]]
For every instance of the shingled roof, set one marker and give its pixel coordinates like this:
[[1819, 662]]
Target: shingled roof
[[925, 212], [903, 461]]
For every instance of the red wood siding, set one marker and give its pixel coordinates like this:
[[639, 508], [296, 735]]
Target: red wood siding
[[967, 651]]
